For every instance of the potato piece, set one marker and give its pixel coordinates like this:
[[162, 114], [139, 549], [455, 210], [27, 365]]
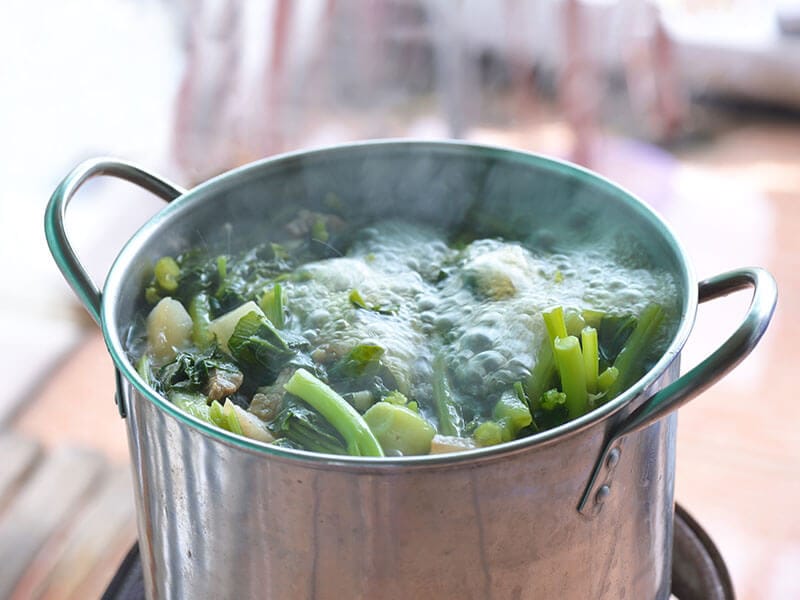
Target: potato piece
[[222, 327], [442, 444], [169, 329], [252, 426]]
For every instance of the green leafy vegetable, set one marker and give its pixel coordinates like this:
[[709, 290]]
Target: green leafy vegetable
[[343, 417], [256, 343], [357, 300], [190, 372], [612, 335], [363, 361], [272, 303], [632, 359], [307, 429]]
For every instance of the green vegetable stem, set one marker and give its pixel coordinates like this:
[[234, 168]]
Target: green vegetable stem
[[573, 375], [591, 358], [272, 303], [200, 312], [343, 417], [543, 373], [631, 360], [448, 411]]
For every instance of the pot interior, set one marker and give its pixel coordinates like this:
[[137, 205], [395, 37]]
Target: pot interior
[[543, 203]]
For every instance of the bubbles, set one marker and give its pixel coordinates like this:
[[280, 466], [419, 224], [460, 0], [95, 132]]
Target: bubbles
[[487, 332], [319, 317], [427, 303], [488, 361], [476, 339]]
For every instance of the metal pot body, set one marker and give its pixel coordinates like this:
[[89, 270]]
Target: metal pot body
[[581, 511], [219, 522]]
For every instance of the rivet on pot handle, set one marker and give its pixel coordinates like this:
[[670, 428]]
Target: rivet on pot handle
[[57, 240], [696, 381]]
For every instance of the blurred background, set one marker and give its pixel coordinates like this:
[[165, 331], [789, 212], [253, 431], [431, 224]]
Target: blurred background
[[694, 105]]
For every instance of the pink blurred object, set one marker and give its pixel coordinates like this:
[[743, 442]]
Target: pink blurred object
[[262, 78]]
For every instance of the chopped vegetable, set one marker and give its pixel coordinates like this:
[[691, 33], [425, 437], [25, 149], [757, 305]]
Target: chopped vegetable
[[512, 414], [257, 344], [192, 403], [591, 358], [630, 362], [361, 400], [490, 433], [543, 374], [193, 372], [222, 327], [343, 417], [252, 426], [307, 429], [364, 360], [569, 360], [607, 378], [399, 430], [167, 272], [551, 410], [442, 444], [169, 330], [448, 412], [612, 335], [272, 305], [398, 398], [554, 321], [200, 312], [357, 300]]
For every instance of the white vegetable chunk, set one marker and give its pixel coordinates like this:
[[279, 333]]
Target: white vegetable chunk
[[252, 426], [222, 327], [169, 329], [443, 444]]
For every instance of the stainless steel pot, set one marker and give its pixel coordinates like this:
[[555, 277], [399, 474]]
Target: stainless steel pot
[[581, 511]]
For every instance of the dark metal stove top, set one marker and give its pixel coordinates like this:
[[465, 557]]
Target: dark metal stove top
[[698, 571]]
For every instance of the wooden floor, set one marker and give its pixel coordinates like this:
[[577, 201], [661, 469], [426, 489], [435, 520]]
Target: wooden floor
[[66, 520], [66, 509]]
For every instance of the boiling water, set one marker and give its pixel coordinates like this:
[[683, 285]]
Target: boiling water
[[479, 306]]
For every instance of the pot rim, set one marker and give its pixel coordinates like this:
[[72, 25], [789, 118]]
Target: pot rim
[[114, 280]]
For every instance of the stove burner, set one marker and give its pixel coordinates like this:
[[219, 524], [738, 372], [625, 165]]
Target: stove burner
[[698, 571]]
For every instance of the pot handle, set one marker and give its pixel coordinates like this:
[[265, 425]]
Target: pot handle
[[696, 381], [57, 239]]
